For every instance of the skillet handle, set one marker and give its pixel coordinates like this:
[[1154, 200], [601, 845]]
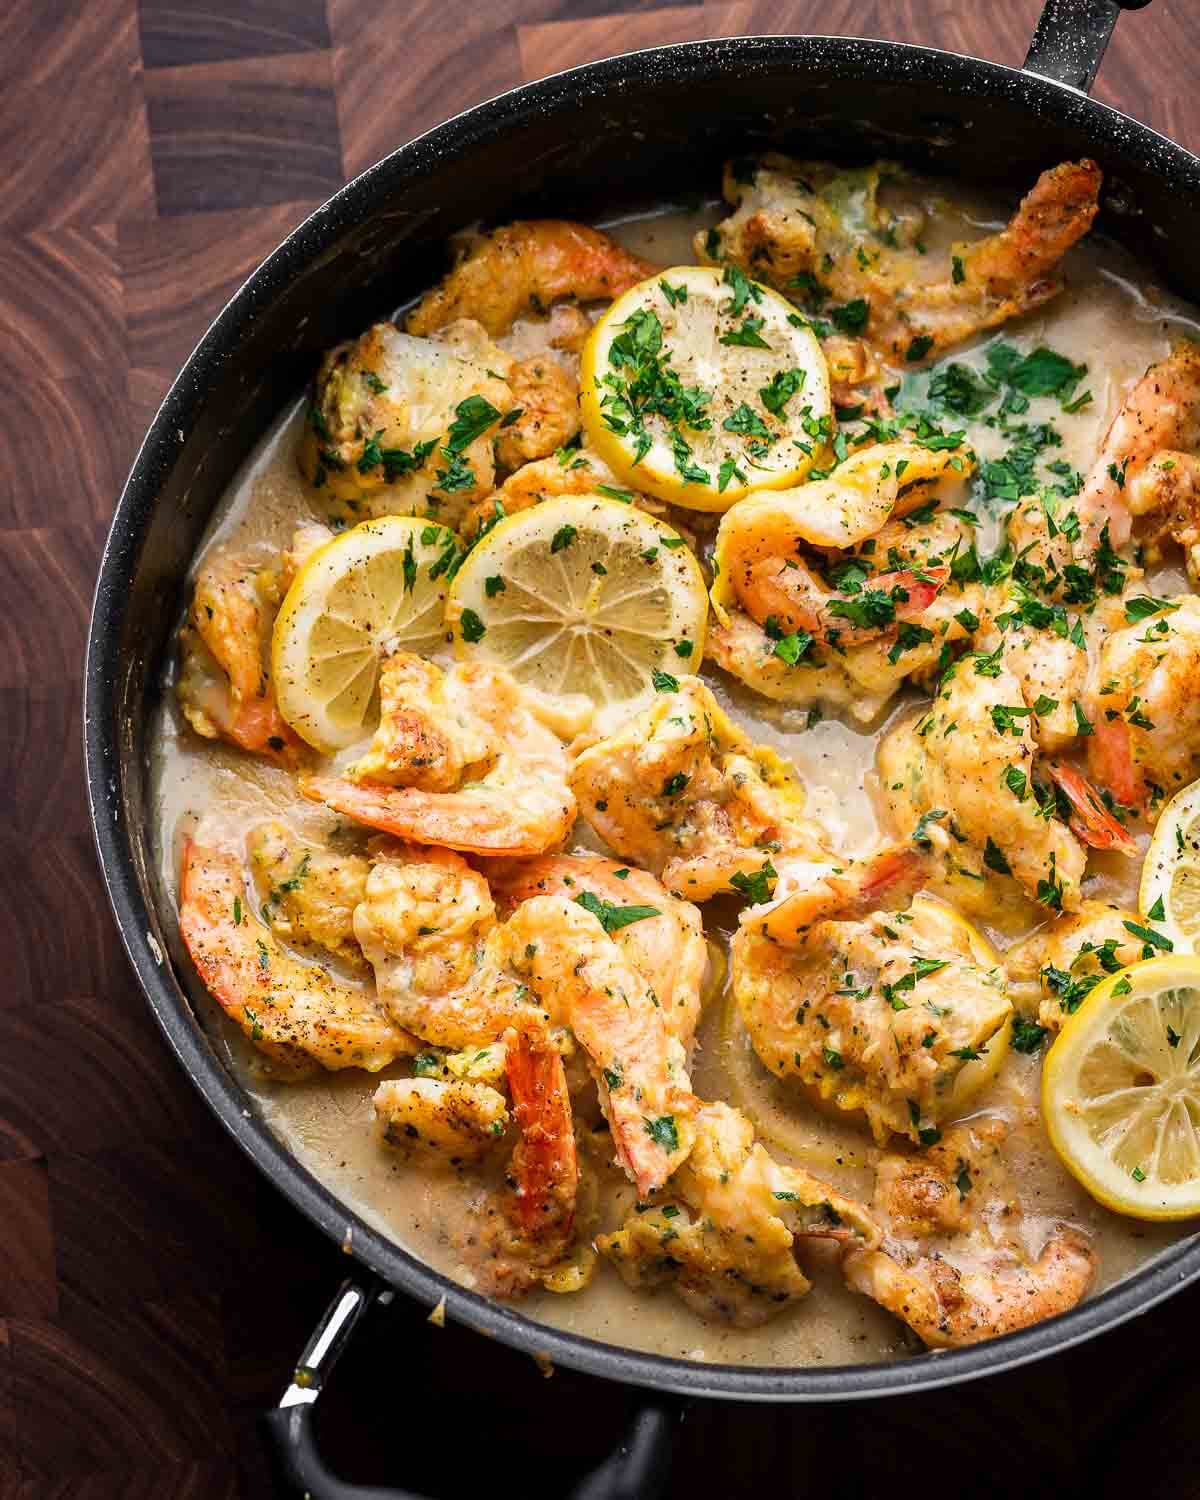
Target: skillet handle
[[637, 1469], [1071, 38]]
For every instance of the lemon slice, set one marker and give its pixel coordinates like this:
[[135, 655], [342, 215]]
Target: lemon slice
[[699, 385], [367, 591], [1121, 1090], [1171, 873], [581, 596]]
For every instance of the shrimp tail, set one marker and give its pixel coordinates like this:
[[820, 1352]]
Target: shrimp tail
[[1110, 760], [259, 727], [1091, 822], [889, 875], [544, 1162], [473, 823]]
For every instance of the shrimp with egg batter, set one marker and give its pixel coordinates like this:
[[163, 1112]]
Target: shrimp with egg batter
[[459, 761]]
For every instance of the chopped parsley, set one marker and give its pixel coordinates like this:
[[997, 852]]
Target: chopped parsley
[[611, 917], [472, 627], [664, 1132], [755, 887], [1027, 1036], [851, 317]]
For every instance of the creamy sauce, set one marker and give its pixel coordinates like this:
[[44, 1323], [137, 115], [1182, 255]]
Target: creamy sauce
[[1110, 319]]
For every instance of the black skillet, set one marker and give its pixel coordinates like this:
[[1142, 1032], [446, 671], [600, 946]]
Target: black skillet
[[616, 134]]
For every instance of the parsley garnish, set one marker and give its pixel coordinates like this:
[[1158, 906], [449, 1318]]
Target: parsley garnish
[[612, 918], [755, 887], [663, 1132]]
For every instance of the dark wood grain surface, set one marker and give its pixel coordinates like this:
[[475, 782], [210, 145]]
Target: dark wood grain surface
[[153, 1290]]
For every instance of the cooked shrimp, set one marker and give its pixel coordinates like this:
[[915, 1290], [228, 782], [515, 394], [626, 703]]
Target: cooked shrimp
[[1149, 461], [545, 393], [459, 761], [583, 980], [224, 690], [724, 1232], [526, 267], [572, 471], [307, 894], [424, 924], [856, 378], [430, 736], [1090, 821], [660, 935], [1002, 276], [1054, 970], [428, 926], [892, 606], [790, 214], [810, 892], [1047, 649], [544, 1161], [1144, 704], [878, 1012], [822, 231], [294, 1012], [861, 494], [961, 775], [681, 790], [448, 1121], [402, 426], [953, 1264], [548, 401]]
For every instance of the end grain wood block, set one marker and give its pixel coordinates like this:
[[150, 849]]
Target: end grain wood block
[[195, 31], [72, 115], [243, 133]]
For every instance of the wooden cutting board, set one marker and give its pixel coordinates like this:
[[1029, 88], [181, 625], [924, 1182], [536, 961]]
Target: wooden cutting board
[[153, 1290]]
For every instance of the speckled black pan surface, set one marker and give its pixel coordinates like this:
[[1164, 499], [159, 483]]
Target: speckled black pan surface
[[630, 130]]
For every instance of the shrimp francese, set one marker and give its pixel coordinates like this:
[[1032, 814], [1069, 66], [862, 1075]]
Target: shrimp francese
[[677, 770]]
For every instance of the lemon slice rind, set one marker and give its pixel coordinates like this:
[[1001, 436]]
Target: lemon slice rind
[[1121, 1100], [1171, 872], [367, 591]]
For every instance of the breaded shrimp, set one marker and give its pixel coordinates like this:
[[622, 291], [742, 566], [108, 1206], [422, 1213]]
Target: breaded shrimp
[[526, 267], [458, 761], [953, 1264], [224, 689], [876, 1011], [583, 980], [821, 231], [1053, 971], [961, 776], [294, 1012], [723, 1233], [682, 791], [660, 935]]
